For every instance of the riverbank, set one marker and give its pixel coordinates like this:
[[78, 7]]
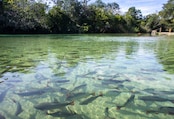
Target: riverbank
[[166, 33], [154, 33]]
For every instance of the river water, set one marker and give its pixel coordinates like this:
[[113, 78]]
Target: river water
[[86, 77]]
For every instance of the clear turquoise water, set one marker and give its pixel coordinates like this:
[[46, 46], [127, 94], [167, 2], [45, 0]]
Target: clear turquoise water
[[64, 68]]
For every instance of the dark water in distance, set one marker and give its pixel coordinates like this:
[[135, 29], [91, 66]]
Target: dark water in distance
[[86, 77]]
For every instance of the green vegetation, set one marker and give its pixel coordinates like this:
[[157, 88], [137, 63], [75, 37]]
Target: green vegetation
[[74, 16], [167, 15]]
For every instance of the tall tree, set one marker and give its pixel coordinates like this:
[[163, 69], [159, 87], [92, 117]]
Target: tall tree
[[167, 14], [23, 16], [85, 2], [133, 18], [113, 8], [152, 22], [134, 13], [99, 3], [59, 22]]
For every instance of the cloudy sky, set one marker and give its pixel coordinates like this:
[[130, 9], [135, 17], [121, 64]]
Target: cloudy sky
[[146, 6]]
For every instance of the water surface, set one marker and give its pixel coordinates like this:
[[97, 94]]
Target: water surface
[[86, 77]]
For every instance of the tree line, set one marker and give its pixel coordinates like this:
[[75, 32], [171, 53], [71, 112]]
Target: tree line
[[74, 16]]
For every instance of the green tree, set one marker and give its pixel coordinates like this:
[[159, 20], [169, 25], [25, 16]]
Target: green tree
[[133, 19], [113, 8], [59, 22], [99, 4], [167, 14], [85, 2], [152, 22], [21, 16], [93, 19], [117, 24], [70, 16]]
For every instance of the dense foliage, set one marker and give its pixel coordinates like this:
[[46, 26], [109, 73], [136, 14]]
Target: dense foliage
[[167, 15], [74, 16]]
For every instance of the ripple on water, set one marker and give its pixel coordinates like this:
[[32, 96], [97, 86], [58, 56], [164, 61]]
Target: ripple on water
[[126, 66]]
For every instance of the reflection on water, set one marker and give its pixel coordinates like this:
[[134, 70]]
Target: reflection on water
[[166, 54], [86, 77]]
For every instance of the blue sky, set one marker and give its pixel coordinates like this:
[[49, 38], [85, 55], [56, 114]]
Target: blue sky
[[146, 6]]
